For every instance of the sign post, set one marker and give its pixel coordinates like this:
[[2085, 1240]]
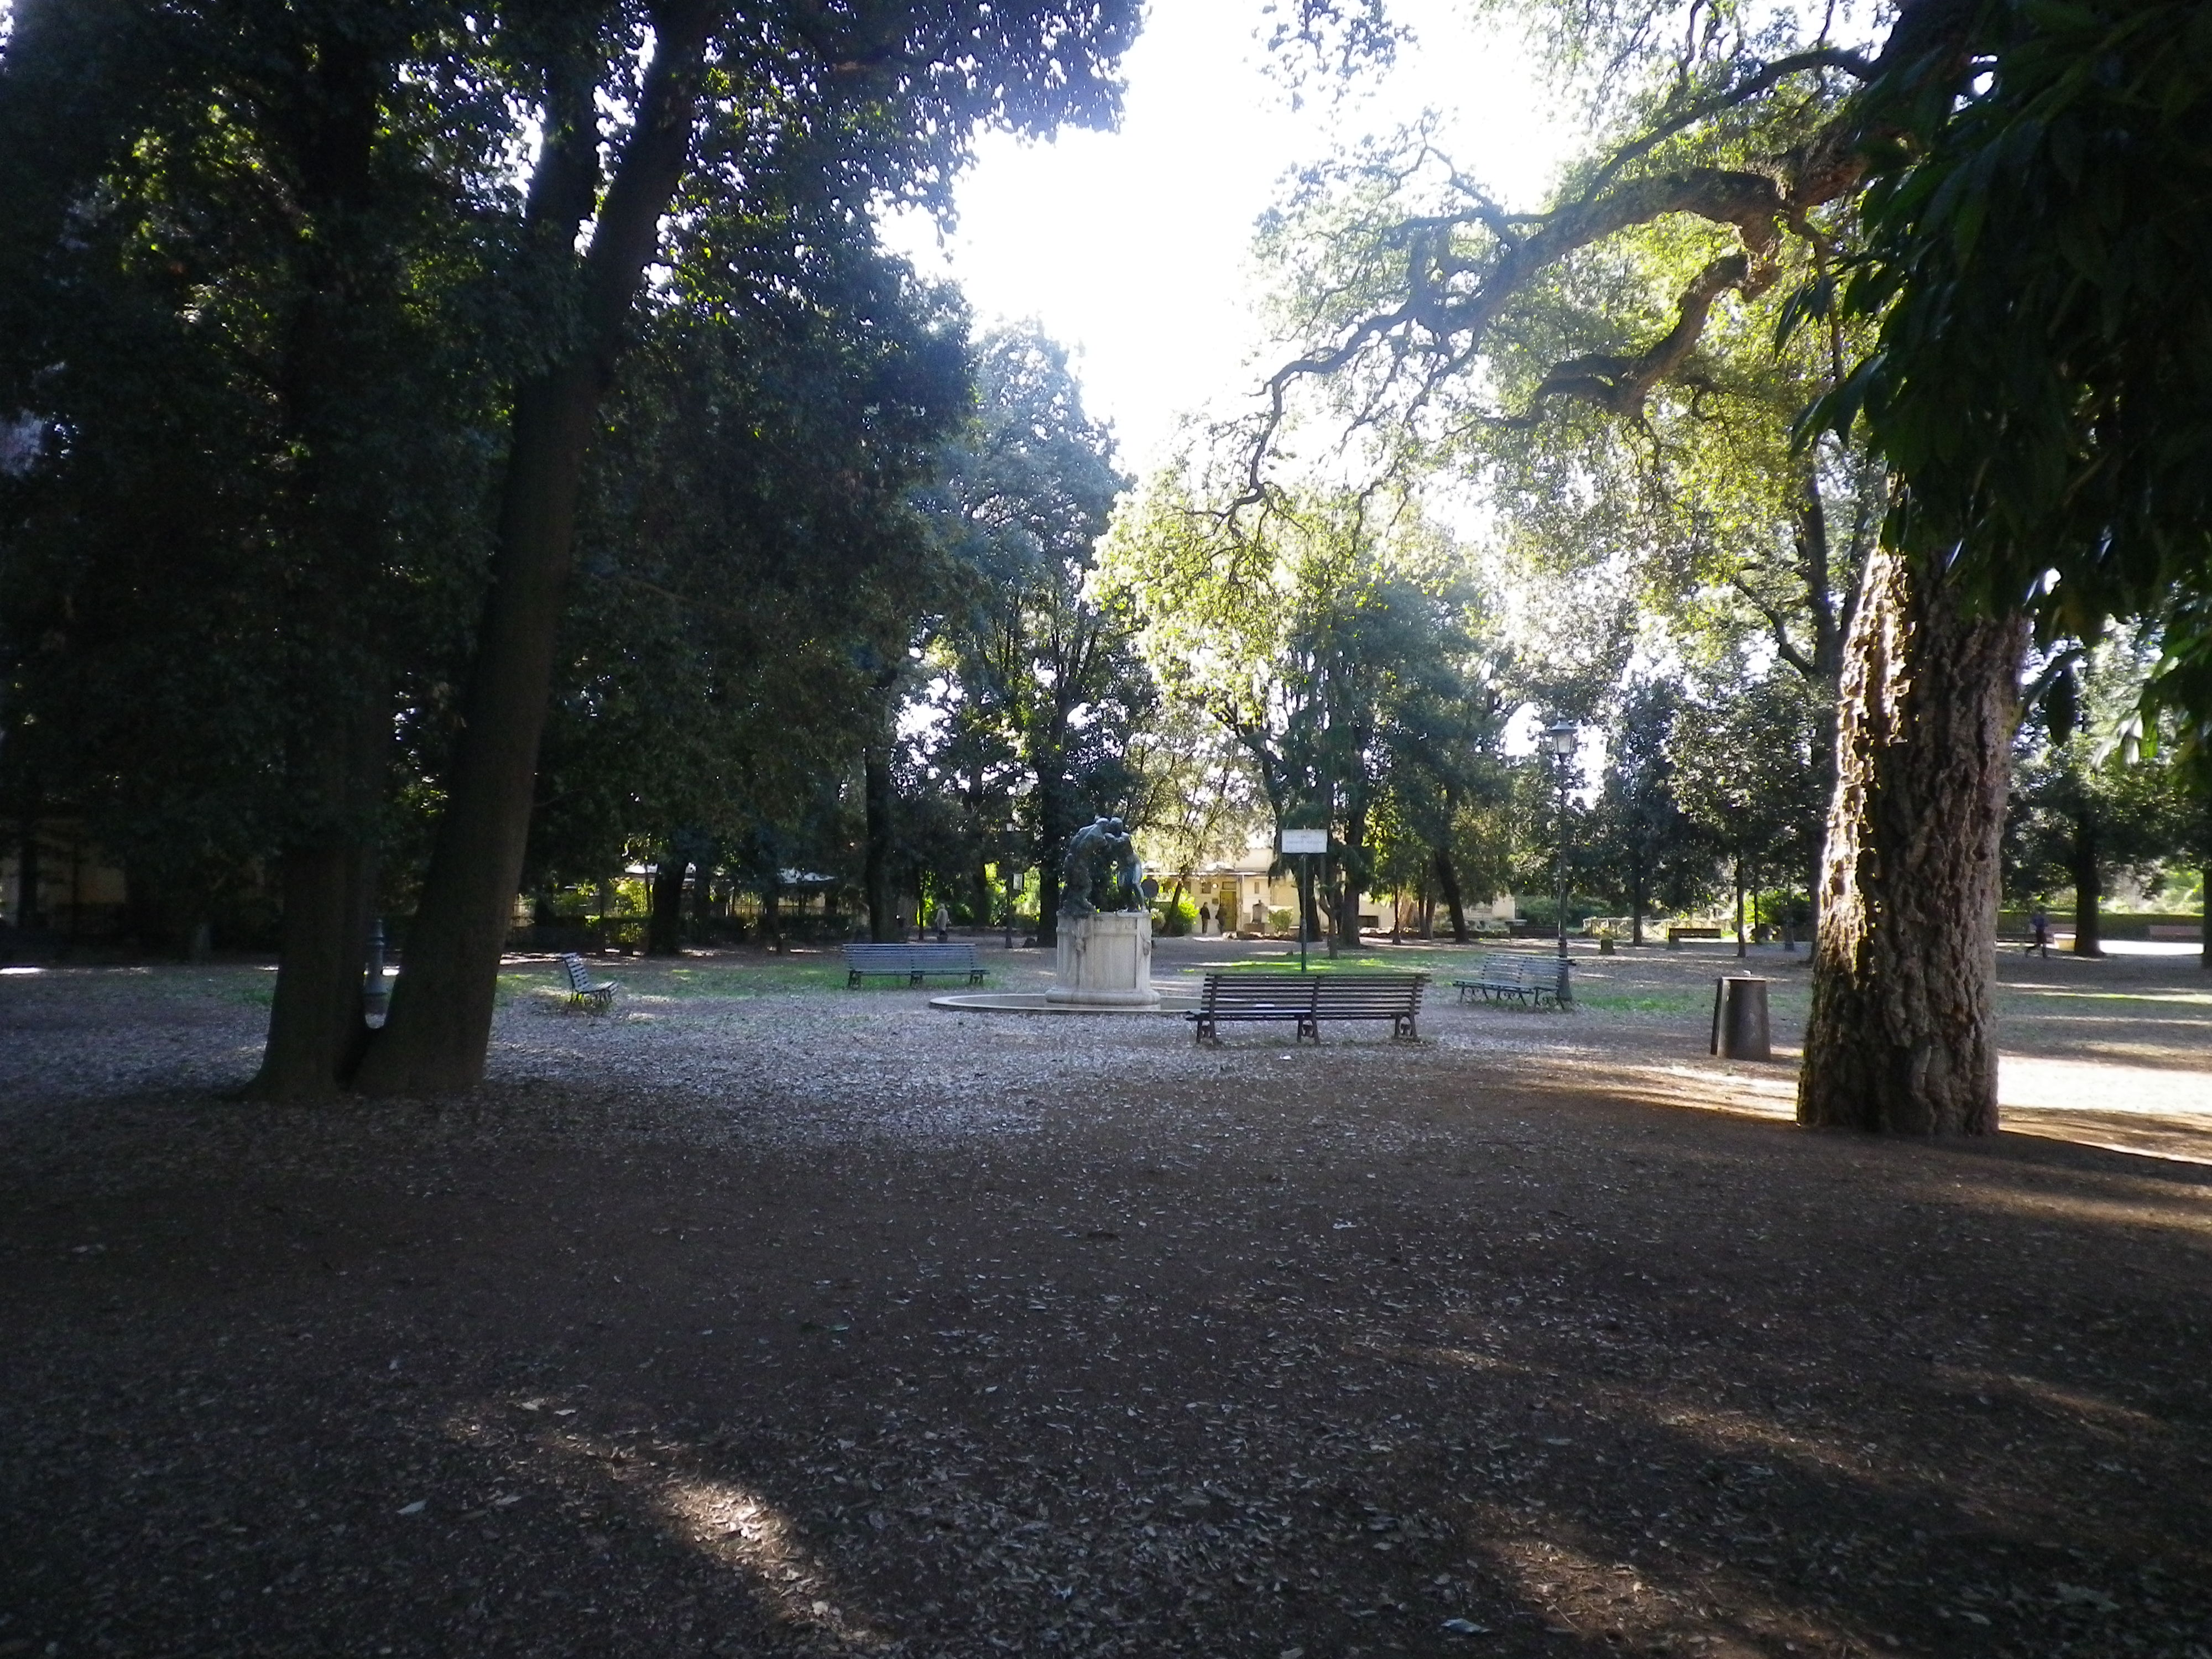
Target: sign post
[[1303, 845]]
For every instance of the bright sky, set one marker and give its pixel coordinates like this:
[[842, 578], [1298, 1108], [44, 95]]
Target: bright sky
[[1130, 247]]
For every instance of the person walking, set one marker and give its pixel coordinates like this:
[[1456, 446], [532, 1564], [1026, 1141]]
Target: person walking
[[2038, 928]]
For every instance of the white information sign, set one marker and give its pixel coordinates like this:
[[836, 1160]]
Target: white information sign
[[1306, 841]]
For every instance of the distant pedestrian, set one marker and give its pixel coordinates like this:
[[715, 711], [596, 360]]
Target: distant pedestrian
[[2038, 928], [941, 919]]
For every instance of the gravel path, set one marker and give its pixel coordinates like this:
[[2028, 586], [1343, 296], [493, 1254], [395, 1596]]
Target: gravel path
[[765, 1318]]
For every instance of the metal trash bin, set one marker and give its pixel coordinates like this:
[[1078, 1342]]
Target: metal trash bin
[[1740, 1030]]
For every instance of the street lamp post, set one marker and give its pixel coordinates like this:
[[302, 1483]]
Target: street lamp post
[[1562, 738]]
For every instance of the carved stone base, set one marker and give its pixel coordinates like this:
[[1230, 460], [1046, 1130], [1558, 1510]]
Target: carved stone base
[[1105, 961]]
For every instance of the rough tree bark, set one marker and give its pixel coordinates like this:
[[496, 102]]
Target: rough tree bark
[[875, 858], [664, 922], [1902, 1036], [1056, 825], [1448, 882], [434, 1040], [318, 1026], [702, 890], [318, 1017], [2084, 867]]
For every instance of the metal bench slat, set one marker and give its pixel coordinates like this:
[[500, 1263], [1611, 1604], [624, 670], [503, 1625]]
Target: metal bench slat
[[1308, 998]]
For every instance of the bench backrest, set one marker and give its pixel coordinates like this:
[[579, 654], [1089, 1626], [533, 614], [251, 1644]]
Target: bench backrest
[[944, 955], [908, 959], [1516, 966], [579, 978], [1320, 994]]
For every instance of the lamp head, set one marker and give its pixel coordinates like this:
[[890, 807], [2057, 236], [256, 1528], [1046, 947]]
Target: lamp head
[[1563, 737]]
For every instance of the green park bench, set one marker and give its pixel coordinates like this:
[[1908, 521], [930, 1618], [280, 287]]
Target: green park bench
[[911, 961], [1305, 999], [1526, 978], [584, 991]]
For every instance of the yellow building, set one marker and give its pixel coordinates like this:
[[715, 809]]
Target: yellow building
[[1252, 901]]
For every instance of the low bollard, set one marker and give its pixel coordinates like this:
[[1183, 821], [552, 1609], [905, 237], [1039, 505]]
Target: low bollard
[[1740, 1023]]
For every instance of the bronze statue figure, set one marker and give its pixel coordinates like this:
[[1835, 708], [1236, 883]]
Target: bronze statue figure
[[1101, 858]]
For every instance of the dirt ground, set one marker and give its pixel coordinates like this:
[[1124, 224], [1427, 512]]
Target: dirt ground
[[764, 1317]]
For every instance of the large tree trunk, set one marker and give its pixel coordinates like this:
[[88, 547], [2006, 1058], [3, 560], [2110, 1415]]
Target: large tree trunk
[[2085, 868], [440, 1025], [1448, 880], [1636, 901], [1350, 869], [664, 922], [875, 858], [703, 890], [1056, 826], [317, 1020], [1902, 1036], [317, 1023], [337, 767]]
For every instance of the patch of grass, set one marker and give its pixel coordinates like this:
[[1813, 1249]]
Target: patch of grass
[[749, 980], [2199, 999]]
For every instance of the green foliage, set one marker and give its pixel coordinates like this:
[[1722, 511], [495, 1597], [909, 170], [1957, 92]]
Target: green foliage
[[1639, 847], [746, 524], [2089, 804], [251, 333], [1746, 769], [1033, 683], [2043, 378], [1337, 641]]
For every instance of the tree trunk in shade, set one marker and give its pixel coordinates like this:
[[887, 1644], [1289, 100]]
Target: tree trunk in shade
[[664, 923], [1448, 880], [435, 1038], [2083, 865]]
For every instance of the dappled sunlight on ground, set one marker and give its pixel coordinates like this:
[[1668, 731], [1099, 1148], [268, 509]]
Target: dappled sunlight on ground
[[766, 1319], [737, 1526]]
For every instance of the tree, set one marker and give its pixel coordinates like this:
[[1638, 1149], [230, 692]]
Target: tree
[[1333, 638], [1746, 765], [1045, 686], [2089, 804], [1195, 800], [746, 521], [1642, 846], [1746, 146], [2041, 399], [861, 121], [245, 317], [331, 184]]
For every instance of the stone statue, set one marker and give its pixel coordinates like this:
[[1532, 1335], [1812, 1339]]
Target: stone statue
[[1102, 859]]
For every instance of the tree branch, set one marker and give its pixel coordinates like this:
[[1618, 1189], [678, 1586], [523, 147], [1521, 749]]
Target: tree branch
[[1743, 91], [1784, 646]]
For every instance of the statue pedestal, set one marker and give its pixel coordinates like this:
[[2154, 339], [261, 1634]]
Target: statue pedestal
[[1105, 961]]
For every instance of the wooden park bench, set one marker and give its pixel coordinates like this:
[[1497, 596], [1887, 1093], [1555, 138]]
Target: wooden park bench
[[1306, 1000], [1676, 935], [1524, 977], [912, 960], [584, 991]]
